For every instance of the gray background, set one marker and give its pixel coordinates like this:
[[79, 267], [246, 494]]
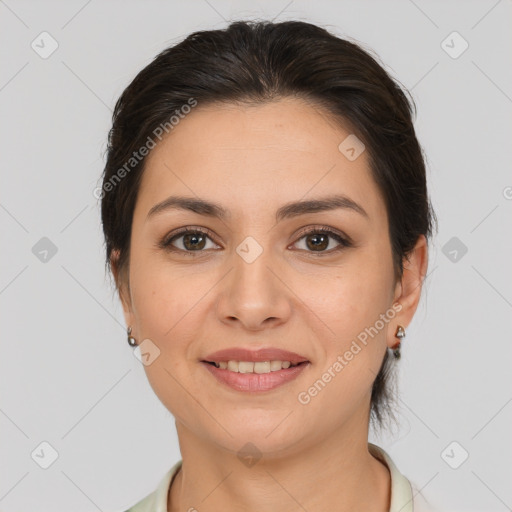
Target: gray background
[[69, 378]]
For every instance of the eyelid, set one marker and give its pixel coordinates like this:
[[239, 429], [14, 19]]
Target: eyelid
[[165, 243], [325, 229]]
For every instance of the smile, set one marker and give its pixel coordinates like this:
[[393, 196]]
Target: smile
[[252, 376], [252, 366]]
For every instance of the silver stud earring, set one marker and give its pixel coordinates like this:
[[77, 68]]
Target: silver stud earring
[[131, 340], [400, 334]]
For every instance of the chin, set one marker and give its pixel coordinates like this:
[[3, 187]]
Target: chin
[[271, 437]]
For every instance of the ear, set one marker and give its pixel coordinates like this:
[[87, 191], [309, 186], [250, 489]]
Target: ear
[[408, 289], [123, 287]]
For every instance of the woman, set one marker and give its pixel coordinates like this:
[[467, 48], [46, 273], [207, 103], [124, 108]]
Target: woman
[[266, 218]]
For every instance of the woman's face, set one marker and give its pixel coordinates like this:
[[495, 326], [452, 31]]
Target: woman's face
[[259, 282]]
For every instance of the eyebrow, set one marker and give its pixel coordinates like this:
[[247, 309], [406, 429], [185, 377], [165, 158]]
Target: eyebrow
[[288, 211]]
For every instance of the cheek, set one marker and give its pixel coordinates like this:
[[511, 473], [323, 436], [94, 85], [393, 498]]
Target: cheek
[[356, 307], [163, 307], [171, 304], [168, 312], [341, 383], [353, 300]]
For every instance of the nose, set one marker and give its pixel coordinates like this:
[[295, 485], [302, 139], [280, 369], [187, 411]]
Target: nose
[[254, 293]]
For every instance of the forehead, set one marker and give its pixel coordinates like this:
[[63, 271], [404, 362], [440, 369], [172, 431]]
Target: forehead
[[246, 156]]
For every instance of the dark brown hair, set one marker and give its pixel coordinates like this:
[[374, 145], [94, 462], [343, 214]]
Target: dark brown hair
[[255, 62]]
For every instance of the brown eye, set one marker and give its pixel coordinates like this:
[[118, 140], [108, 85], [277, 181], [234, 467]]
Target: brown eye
[[318, 240], [188, 241], [194, 241]]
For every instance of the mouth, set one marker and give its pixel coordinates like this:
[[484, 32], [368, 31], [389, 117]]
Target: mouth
[[254, 376], [258, 367]]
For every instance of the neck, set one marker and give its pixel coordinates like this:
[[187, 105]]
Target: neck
[[335, 470]]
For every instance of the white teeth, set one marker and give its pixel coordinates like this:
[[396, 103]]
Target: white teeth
[[275, 365], [262, 367], [252, 367], [233, 366], [245, 367]]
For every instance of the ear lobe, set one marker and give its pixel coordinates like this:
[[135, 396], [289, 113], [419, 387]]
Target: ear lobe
[[408, 290]]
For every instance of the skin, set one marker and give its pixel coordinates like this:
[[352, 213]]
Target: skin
[[316, 455]]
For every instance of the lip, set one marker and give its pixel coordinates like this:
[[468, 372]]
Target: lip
[[255, 382], [262, 354]]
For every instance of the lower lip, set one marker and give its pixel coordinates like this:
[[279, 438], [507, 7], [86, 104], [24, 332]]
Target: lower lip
[[254, 382]]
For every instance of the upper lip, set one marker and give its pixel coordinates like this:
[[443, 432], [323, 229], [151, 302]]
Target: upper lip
[[262, 354]]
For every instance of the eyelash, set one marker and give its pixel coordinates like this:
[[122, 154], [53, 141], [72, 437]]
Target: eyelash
[[166, 242]]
